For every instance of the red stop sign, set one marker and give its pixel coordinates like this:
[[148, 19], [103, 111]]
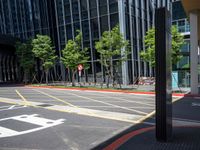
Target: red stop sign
[[80, 67]]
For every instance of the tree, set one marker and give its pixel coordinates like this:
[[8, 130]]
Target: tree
[[148, 54], [110, 46], [73, 55], [43, 49], [25, 57]]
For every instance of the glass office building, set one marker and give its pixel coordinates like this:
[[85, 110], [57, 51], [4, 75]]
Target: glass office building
[[61, 18], [93, 17]]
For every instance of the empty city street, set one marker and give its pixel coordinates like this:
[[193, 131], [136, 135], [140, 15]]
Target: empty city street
[[66, 119], [46, 118]]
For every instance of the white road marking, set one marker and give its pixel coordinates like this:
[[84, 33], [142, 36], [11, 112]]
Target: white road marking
[[11, 107], [96, 106], [131, 101], [116, 106], [43, 123], [196, 104], [132, 118], [4, 106]]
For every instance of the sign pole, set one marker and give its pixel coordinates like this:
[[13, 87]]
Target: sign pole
[[80, 68]]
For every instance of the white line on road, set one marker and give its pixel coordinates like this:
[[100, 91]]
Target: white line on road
[[116, 106], [132, 101], [4, 106], [11, 107]]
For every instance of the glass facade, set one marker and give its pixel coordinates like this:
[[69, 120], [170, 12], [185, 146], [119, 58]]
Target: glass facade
[[183, 66], [61, 18], [24, 18], [21, 19]]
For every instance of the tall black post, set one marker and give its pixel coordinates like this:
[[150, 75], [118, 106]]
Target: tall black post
[[163, 75]]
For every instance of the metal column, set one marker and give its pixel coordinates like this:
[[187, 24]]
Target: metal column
[[163, 75]]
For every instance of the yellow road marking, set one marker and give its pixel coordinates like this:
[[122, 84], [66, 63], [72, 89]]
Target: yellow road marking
[[85, 114], [8, 102], [22, 97], [89, 113], [67, 111], [58, 99], [153, 112]]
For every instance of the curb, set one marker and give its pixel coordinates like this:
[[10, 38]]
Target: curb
[[99, 90], [114, 91]]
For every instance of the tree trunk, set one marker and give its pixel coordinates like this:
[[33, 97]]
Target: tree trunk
[[25, 77], [73, 77], [47, 73], [108, 81], [41, 79], [112, 73]]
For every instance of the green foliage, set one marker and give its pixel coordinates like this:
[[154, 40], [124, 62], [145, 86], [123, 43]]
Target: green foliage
[[43, 49], [149, 54], [110, 46], [25, 55], [73, 53], [177, 43]]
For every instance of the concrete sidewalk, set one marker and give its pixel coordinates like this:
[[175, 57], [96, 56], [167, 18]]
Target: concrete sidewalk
[[186, 131]]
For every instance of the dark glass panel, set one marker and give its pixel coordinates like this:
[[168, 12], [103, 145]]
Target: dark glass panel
[[76, 27], [93, 8], [114, 20], [103, 10], [85, 30], [104, 23], [113, 7], [102, 2], [84, 14], [93, 12], [93, 3], [62, 34], [178, 11], [69, 31], [84, 11], [75, 10], [94, 28]]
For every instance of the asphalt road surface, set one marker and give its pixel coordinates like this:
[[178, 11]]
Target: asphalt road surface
[[56, 119]]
